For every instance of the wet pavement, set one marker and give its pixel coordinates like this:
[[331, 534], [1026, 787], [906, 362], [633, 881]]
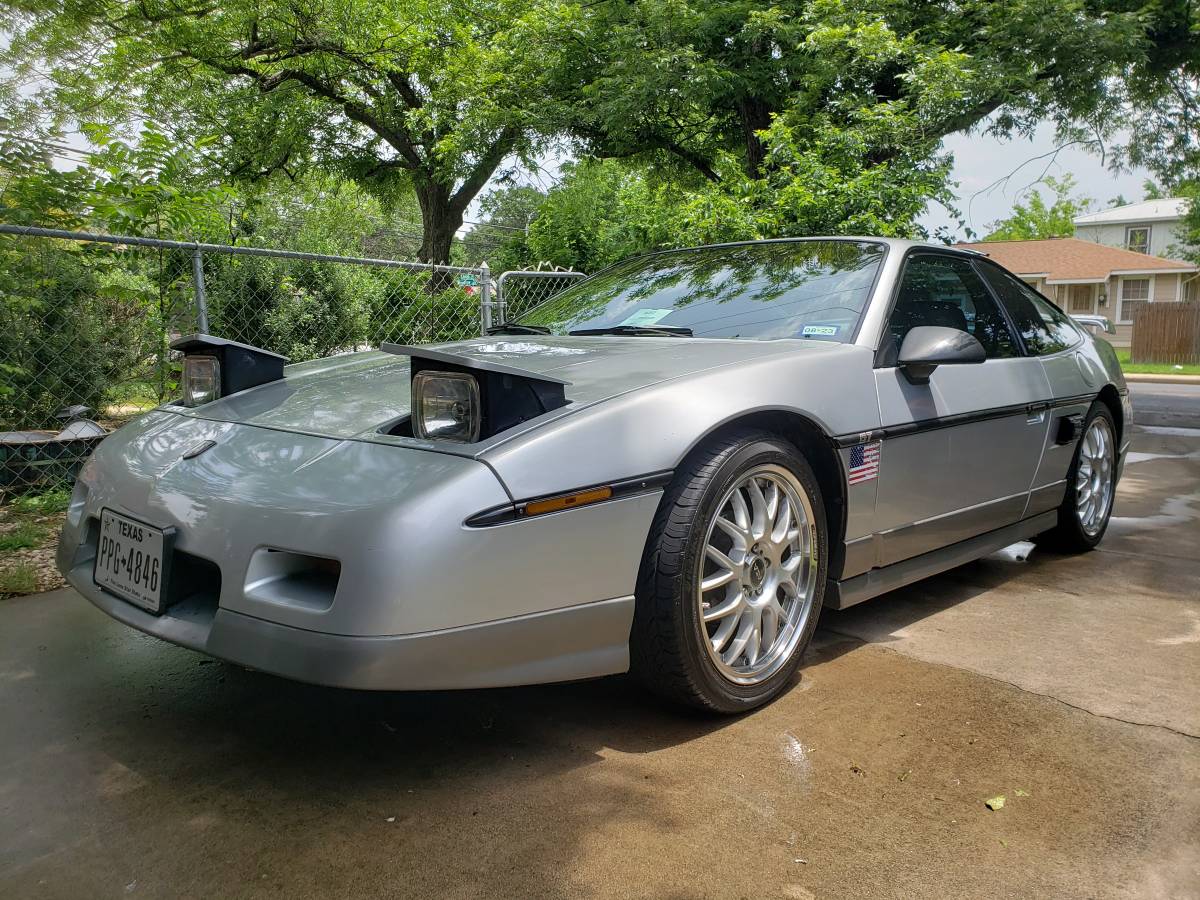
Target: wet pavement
[[130, 768]]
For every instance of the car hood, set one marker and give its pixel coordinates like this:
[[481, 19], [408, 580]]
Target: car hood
[[355, 395]]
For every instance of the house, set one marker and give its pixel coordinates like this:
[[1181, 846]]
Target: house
[[1084, 276], [1152, 226]]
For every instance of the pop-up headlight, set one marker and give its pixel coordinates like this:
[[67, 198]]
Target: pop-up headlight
[[214, 367], [446, 406], [201, 380], [465, 399]]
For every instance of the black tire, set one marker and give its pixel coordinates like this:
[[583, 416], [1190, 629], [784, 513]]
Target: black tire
[[666, 649], [1069, 535]]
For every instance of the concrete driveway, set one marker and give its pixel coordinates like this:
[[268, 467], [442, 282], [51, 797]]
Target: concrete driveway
[[1068, 685]]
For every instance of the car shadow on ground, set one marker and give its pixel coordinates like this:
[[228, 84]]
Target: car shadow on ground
[[884, 619]]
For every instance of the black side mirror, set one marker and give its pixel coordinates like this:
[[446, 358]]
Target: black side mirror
[[926, 347]]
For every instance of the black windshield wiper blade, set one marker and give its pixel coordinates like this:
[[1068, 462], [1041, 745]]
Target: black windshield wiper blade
[[644, 330], [517, 328]]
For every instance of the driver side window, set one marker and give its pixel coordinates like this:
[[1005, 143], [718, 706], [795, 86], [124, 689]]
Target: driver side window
[[945, 291]]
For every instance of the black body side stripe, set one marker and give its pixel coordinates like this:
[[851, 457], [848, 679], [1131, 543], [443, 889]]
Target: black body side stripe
[[626, 487], [983, 415]]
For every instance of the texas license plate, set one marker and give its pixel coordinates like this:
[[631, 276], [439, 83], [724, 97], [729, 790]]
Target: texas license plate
[[131, 559]]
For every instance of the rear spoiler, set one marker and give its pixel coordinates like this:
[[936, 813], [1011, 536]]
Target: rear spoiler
[[1101, 323]]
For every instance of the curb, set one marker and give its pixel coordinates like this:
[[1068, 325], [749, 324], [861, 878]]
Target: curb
[[1162, 379]]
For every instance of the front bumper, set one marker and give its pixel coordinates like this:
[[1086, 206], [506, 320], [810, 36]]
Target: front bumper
[[419, 600], [561, 645]]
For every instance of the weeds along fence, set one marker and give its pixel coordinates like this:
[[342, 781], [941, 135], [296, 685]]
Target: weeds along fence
[[87, 319]]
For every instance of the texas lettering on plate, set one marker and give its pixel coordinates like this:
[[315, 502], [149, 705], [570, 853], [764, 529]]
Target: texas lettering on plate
[[129, 560]]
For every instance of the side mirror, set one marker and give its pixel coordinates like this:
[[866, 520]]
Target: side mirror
[[926, 347]]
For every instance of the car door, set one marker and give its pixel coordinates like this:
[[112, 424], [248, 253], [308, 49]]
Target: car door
[[1048, 334], [958, 454]]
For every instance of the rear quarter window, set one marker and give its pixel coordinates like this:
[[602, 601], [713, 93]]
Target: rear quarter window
[[1043, 327]]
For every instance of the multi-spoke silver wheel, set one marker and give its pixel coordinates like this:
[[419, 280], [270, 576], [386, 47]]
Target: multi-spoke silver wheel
[[757, 578], [1094, 477]]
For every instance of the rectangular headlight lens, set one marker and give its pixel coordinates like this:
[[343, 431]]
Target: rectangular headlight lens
[[201, 380], [446, 406]]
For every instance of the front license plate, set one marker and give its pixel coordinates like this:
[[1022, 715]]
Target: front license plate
[[131, 560]]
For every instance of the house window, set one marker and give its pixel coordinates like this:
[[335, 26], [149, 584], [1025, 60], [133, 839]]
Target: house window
[[1138, 239], [1134, 293]]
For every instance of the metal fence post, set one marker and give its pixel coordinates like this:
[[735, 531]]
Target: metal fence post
[[485, 297], [500, 301], [198, 286]]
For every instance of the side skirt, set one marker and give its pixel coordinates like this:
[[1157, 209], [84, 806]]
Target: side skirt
[[841, 594]]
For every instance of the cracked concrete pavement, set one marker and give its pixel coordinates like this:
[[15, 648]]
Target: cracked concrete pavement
[[1066, 684]]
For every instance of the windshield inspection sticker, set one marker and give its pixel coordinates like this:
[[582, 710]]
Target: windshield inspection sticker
[[819, 331], [647, 316]]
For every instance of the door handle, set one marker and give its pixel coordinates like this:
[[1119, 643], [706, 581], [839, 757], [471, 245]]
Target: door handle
[[1035, 413]]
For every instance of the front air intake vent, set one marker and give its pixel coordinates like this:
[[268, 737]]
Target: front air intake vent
[[292, 579]]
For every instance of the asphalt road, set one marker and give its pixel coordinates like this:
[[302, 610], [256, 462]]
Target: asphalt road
[[129, 768], [1166, 404]]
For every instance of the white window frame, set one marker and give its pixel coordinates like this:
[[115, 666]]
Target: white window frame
[[1149, 298], [1129, 229]]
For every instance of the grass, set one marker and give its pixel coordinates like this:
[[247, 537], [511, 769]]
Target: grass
[[18, 579], [29, 525], [25, 536], [1153, 368], [44, 504]]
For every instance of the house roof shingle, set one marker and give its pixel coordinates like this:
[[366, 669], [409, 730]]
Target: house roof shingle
[[1070, 259]]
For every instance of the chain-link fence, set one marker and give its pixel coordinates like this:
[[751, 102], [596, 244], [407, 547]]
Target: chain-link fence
[[86, 320], [519, 291]]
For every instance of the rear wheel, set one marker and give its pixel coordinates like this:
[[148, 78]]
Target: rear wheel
[[731, 584], [1091, 486]]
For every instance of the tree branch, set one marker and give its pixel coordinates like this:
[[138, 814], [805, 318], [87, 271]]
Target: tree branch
[[483, 169]]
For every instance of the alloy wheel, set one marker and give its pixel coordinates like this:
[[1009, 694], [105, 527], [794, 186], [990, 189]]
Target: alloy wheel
[[757, 577], [1094, 476]]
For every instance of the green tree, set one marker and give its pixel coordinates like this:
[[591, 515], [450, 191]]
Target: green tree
[[81, 322], [756, 97], [423, 95], [1038, 219], [500, 235], [689, 79]]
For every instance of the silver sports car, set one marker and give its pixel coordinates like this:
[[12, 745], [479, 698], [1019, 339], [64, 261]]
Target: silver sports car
[[668, 468]]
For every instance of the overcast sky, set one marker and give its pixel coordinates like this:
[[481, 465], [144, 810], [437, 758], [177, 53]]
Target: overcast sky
[[982, 163]]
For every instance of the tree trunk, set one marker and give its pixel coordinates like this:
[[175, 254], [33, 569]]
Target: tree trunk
[[439, 222], [756, 116]]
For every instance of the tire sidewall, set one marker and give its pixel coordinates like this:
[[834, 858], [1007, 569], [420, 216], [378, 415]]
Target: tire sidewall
[[729, 696]]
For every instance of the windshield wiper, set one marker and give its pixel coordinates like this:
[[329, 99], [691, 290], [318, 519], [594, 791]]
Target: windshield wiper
[[517, 328], [640, 330]]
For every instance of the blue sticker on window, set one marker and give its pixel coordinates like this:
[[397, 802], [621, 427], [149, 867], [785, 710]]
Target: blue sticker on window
[[819, 331], [647, 317]]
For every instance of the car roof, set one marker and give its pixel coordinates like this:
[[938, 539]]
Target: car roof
[[902, 244]]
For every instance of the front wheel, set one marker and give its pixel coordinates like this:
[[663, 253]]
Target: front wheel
[[1091, 486], [733, 576]]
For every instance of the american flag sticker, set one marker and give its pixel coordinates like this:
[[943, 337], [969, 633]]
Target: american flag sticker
[[864, 463]]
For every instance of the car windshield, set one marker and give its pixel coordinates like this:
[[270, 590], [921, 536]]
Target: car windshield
[[767, 291]]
